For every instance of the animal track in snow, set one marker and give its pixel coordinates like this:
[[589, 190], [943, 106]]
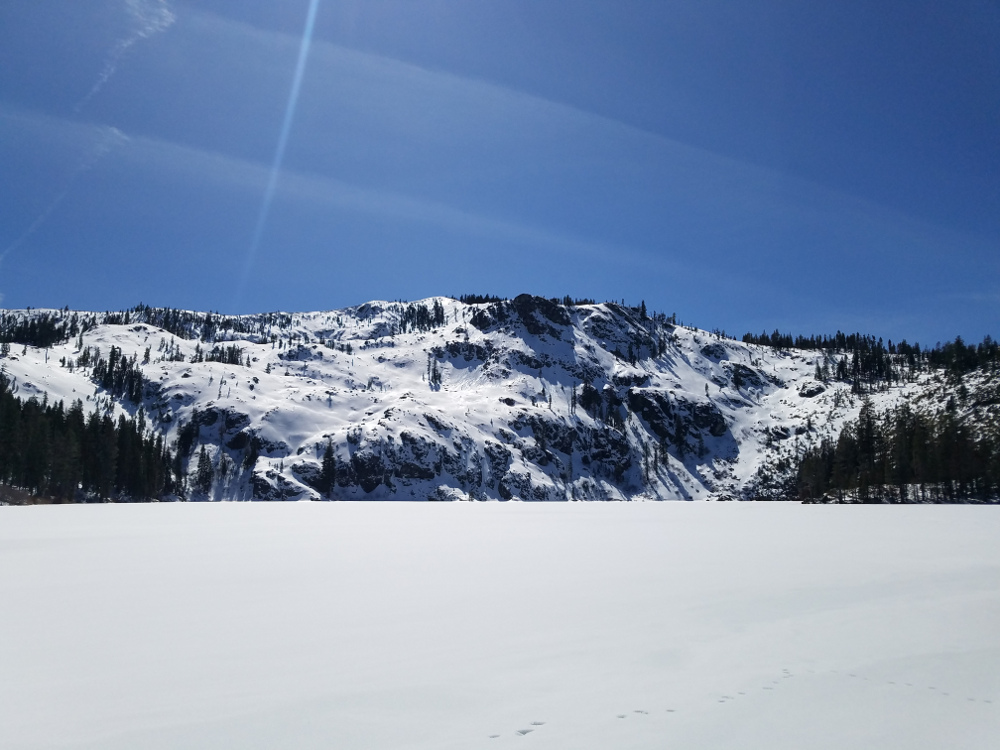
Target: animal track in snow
[[899, 684], [786, 674], [522, 732]]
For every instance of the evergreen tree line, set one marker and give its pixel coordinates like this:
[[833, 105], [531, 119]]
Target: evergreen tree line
[[483, 299], [230, 355], [46, 329], [479, 299], [877, 359], [207, 327], [42, 329], [66, 456], [119, 375], [901, 456], [418, 317]]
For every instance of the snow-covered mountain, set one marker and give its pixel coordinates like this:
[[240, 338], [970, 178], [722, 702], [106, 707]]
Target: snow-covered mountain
[[506, 399]]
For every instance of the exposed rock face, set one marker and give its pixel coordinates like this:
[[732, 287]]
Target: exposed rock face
[[715, 352], [706, 416], [271, 485], [811, 390], [538, 314], [654, 407]]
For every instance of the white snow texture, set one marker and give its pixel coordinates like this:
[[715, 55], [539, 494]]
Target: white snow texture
[[591, 626]]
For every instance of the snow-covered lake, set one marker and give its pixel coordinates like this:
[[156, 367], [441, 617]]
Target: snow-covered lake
[[395, 625]]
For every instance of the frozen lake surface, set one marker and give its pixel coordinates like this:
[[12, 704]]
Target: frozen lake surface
[[437, 626]]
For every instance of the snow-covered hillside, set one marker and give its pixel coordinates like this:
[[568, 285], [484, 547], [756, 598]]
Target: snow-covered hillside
[[522, 399]]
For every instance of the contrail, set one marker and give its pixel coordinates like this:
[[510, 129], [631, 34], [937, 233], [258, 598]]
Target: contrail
[[148, 17], [279, 155], [110, 139]]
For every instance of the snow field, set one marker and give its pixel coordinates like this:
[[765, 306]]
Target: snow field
[[470, 625]]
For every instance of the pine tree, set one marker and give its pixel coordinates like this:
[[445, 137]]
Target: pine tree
[[205, 473], [328, 473], [680, 434]]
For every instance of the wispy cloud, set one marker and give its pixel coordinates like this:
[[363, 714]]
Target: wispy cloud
[[331, 193], [106, 139], [147, 17], [161, 157], [386, 85], [746, 191], [475, 130]]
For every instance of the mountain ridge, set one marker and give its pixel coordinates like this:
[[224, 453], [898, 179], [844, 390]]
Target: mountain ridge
[[528, 398]]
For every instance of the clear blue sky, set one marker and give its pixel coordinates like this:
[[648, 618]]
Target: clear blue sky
[[748, 165]]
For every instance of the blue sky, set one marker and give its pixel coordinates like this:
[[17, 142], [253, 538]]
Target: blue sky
[[747, 165]]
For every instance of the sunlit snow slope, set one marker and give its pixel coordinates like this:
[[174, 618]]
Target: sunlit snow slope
[[438, 399]]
